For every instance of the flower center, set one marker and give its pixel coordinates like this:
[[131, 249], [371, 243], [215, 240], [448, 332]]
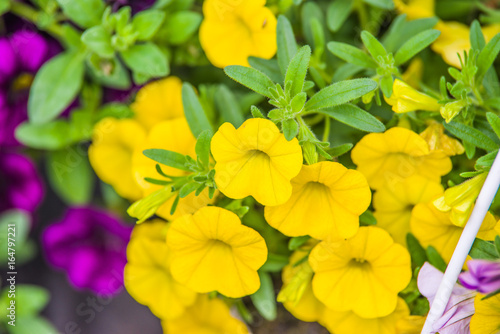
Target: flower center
[[360, 263], [258, 154]]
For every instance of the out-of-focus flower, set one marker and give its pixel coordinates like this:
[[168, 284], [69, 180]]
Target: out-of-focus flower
[[206, 316], [147, 273], [413, 74], [459, 200], [349, 322], [398, 153], [255, 160], [213, 251], [393, 204], [437, 140], [460, 307], [486, 319], [232, 31], [110, 154], [363, 274], [405, 98], [415, 9], [90, 245], [483, 276], [434, 228], [159, 101], [20, 184], [331, 198]]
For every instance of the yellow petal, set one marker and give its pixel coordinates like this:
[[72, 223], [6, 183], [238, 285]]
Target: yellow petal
[[486, 318], [405, 98]]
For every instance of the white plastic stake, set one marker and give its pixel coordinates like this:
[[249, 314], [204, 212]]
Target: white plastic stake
[[464, 245]]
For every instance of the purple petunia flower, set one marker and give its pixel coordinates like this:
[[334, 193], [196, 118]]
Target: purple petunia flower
[[460, 307], [90, 245], [483, 276], [20, 184]]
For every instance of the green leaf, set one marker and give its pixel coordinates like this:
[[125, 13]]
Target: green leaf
[[290, 129], [98, 40], [401, 31], [287, 46], [415, 44], [195, 115], [264, 299], [167, 158], [485, 162], [382, 4], [297, 70], [269, 67], [274, 263], [30, 325], [180, 26], [118, 77], [417, 252], [296, 242], [386, 84], [30, 300], [4, 6], [374, 47], [471, 135], [494, 121], [497, 244], [354, 116], [337, 13], [483, 250], [188, 188], [115, 110], [477, 40], [147, 60], [147, 23], [351, 54], [339, 150], [367, 218], [256, 113], [55, 86], [435, 258], [340, 92], [70, 176], [48, 136], [228, 106], [250, 78], [487, 56], [311, 12], [25, 248], [202, 147], [85, 13]]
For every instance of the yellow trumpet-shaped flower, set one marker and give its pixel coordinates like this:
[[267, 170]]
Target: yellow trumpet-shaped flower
[[149, 205], [363, 274], [437, 140], [232, 31], [413, 74], [159, 101], [486, 318], [215, 252], [255, 160], [398, 153], [393, 204], [173, 135], [405, 98], [415, 9], [206, 316], [434, 228], [349, 322], [460, 199], [110, 154], [147, 272], [326, 202]]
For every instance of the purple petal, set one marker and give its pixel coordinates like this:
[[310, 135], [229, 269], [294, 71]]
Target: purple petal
[[31, 49], [8, 63]]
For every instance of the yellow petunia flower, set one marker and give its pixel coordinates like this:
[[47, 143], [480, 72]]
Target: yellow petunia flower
[[232, 31], [459, 200], [110, 154], [173, 135], [437, 140], [398, 153], [349, 322], [363, 274], [415, 9], [412, 324], [296, 293], [393, 204], [215, 252], [255, 160], [486, 319], [405, 98], [326, 202], [147, 272], [159, 101], [206, 316], [434, 228]]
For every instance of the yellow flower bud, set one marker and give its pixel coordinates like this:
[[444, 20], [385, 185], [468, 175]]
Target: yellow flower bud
[[452, 109], [146, 207], [404, 98]]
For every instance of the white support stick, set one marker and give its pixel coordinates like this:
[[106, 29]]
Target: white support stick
[[464, 245]]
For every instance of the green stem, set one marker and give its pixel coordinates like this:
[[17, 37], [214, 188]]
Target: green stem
[[30, 14], [326, 132]]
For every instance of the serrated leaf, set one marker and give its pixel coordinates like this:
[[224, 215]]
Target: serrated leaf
[[264, 299], [487, 56], [337, 13], [167, 158], [471, 135], [250, 78], [354, 116], [287, 46], [340, 92], [228, 106], [374, 47], [194, 112], [414, 45], [351, 54], [297, 70]]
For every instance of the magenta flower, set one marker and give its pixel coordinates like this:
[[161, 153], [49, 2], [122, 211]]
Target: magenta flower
[[483, 276], [20, 184], [460, 308], [90, 245]]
